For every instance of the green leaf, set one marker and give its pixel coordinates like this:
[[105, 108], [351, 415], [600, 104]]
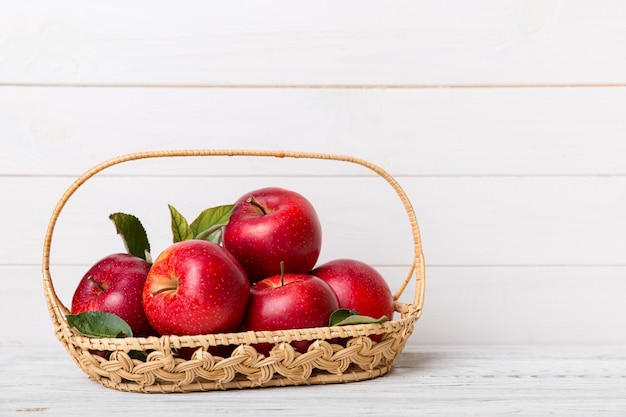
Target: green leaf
[[341, 314], [208, 225], [133, 234], [99, 324], [345, 317], [180, 227]]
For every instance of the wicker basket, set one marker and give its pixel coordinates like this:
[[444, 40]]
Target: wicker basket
[[163, 371]]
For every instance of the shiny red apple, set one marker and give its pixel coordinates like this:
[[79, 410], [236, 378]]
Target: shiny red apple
[[358, 286], [195, 287], [273, 225], [289, 301], [115, 284]]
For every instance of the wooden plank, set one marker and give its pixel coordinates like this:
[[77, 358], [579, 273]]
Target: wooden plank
[[430, 381], [523, 305], [569, 131], [464, 221], [325, 43], [463, 305]]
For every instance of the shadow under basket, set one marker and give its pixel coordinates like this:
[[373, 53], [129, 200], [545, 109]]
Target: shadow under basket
[[221, 361]]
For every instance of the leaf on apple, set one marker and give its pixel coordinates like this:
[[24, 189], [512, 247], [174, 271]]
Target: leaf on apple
[[209, 224], [345, 317], [133, 234], [180, 227], [99, 324]]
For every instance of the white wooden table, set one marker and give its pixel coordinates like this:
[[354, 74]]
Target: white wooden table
[[426, 380]]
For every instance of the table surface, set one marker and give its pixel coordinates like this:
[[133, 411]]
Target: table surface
[[425, 380]]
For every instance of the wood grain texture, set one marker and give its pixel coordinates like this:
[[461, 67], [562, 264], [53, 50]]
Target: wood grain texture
[[492, 132], [431, 381], [323, 43]]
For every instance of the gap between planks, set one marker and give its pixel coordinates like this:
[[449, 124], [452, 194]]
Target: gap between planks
[[319, 86]]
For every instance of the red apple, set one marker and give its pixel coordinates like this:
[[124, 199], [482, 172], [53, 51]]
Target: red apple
[[195, 287], [115, 285], [358, 286], [270, 226], [292, 301]]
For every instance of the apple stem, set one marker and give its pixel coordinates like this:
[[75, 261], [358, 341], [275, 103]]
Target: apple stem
[[282, 273], [96, 283], [254, 202]]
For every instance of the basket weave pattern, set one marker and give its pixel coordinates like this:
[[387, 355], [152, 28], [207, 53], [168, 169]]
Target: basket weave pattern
[[337, 354]]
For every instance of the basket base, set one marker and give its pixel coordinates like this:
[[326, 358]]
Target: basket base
[[161, 370], [321, 378]]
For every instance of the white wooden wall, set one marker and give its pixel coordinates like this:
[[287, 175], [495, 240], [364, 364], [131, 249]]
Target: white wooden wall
[[505, 122]]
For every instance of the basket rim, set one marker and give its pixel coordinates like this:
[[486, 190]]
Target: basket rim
[[58, 310]]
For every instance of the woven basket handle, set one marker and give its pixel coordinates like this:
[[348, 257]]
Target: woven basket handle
[[417, 270]]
